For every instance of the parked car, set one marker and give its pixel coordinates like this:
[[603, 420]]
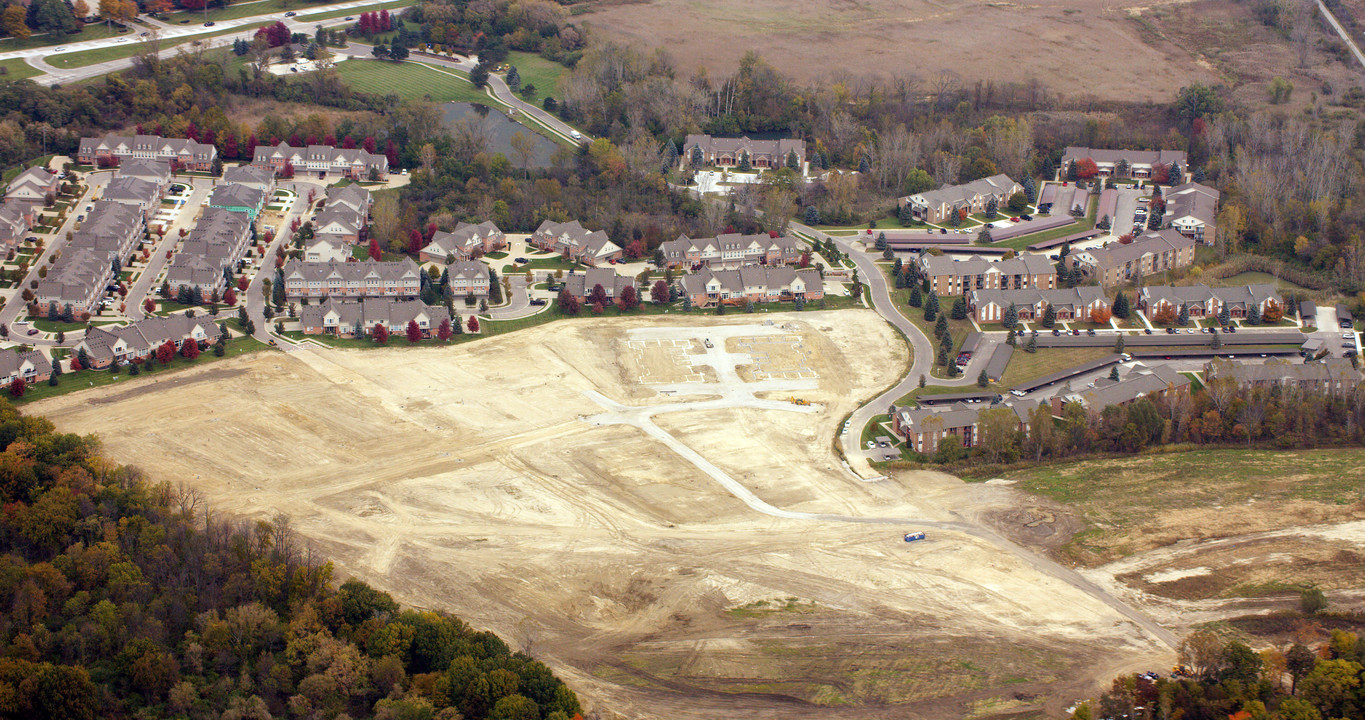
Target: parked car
[[520, 260], [291, 13], [1232, 328], [942, 231], [80, 218], [537, 301], [208, 24], [1147, 331], [1348, 336], [1025, 218], [33, 331], [1014, 219], [1054, 258], [1056, 332], [348, 17], [1076, 333], [1171, 331], [1189, 331], [1090, 332]]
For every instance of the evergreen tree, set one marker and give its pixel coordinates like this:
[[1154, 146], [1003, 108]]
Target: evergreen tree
[[1119, 344], [1217, 341], [513, 78], [1050, 316], [941, 327], [931, 307], [916, 299], [1224, 316], [1121, 309], [942, 355], [1183, 317], [56, 373], [812, 215], [1032, 344], [1009, 340], [983, 380], [1254, 315], [1030, 190], [960, 309], [992, 209], [864, 167], [1114, 373], [1011, 318], [881, 241]]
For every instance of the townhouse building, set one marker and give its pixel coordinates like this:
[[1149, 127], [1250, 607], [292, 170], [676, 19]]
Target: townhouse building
[[732, 250], [1031, 304], [948, 276], [355, 163], [1205, 301], [211, 253], [156, 172], [358, 318], [936, 206], [32, 187], [352, 280], [121, 344], [582, 284], [15, 221], [135, 193], [30, 365], [252, 176], [238, 198], [730, 152], [925, 428], [1117, 263], [1332, 376], [1124, 163], [465, 242], [1155, 382], [324, 249], [756, 283], [579, 244], [1192, 211], [469, 277], [181, 154], [78, 278]]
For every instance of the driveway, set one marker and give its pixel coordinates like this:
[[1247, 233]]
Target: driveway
[[149, 280]]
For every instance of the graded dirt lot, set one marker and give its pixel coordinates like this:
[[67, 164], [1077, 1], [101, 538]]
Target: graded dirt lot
[[1074, 47], [532, 484]]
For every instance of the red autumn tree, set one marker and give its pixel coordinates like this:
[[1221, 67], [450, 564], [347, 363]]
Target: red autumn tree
[[597, 308], [348, 143], [415, 241], [659, 293], [368, 145], [1164, 316], [1086, 168], [443, 331], [1161, 173], [598, 295], [568, 304], [165, 352], [473, 324], [375, 254], [629, 299], [414, 333], [17, 387], [391, 152], [1100, 316], [189, 349], [75, 363], [635, 249], [243, 284], [149, 305], [380, 333], [230, 297], [288, 170]]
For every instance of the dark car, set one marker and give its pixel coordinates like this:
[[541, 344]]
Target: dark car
[[1171, 331], [291, 13], [537, 301], [1232, 328], [33, 331], [1147, 331], [942, 231], [1076, 333], [208, 24], [1056, 332], [1090, 332], [1025, 218], [348, 17], [520, 260]]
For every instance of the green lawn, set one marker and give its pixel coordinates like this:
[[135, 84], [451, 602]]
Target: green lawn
[[1081, 225], [1257, 278], [392, 4], [409, 80], [17, 69], [556, 262], [536, 70], [85, 379], [957, 328], [13, 172], [118, 52], [96, 31]]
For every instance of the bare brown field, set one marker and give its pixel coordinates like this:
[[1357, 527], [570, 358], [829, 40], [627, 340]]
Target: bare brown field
[[1075, 47], [486, 480]]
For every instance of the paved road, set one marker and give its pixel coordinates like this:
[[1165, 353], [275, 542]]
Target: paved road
[[55, 243], [922, 347], [255, 298], [171, 42], [146, 282], [1341, 31]]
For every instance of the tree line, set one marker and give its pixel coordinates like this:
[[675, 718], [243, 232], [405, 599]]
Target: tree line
[[127, 598]]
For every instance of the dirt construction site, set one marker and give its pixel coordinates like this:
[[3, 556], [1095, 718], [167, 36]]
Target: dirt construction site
[[643, 504]]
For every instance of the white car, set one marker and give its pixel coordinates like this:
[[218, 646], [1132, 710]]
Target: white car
[[871, 445], [575, 135]]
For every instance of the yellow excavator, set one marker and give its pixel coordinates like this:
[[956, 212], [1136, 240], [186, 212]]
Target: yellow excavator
[[799, 401]]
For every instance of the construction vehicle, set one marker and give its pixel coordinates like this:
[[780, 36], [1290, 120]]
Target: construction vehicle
[[913, 536], [799, 401]]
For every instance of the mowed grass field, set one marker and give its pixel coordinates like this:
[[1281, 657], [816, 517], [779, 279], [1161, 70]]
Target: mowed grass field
[[410, 80], [17, 69], [1135, 503], [1026, 366], [536, 70]]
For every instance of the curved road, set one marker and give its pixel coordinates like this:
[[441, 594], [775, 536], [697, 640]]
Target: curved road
[[922, 347]]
